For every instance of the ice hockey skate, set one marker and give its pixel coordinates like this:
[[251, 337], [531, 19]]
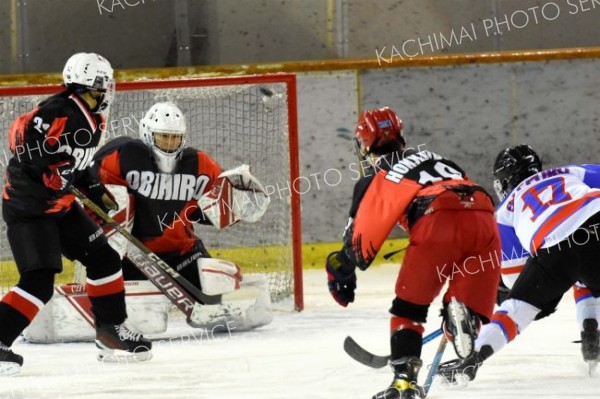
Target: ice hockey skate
[[404, 385], [459, 372], [461, 328], [117, 343], [590, 344], [10, 362]]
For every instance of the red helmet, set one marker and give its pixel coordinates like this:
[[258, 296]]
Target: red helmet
[[378, 129]]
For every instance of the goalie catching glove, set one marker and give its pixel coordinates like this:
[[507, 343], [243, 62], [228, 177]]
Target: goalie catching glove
[[236, 195]]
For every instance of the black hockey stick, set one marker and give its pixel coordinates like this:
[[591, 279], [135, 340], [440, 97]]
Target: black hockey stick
[[361, 355], [390, 254], [177, 288]]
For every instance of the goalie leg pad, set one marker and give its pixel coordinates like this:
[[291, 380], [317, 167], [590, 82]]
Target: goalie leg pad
[[218, 276], [245, 308], [68, 316]]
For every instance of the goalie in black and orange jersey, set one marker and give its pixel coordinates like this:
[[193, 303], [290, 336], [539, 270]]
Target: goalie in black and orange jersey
[[452, 236], [170, 188]]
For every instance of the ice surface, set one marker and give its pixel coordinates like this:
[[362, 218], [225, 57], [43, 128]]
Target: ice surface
[[300, 355]]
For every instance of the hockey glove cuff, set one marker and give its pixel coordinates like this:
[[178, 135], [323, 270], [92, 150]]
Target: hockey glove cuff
[[60, 176], [341, 278]]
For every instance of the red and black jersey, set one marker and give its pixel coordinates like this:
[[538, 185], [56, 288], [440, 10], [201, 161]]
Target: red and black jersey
[[165, 203], [60, 128], [402, 190]]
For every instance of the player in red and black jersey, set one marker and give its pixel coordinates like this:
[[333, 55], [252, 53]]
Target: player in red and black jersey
[[166, 180], [452, 236], [51, 147]]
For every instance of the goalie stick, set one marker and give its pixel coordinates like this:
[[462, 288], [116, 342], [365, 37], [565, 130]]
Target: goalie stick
[[361, 355], [177, 288]]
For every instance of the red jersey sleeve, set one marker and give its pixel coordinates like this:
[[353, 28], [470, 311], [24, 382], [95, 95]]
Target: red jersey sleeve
[[110, 169], [209, 167], [381, 207]]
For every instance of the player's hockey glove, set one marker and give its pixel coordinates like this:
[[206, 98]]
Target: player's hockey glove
[[59, 176], [99, 194], [341, 278]]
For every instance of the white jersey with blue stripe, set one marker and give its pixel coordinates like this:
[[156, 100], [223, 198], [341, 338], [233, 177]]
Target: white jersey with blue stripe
[[543, 210]]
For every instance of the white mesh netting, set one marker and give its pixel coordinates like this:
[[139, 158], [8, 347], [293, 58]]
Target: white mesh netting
[[234, 124]]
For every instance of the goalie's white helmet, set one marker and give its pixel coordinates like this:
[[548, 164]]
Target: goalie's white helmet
[[163, 130], [90, 72]]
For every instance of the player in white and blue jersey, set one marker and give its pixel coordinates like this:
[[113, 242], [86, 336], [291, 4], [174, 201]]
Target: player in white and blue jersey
[[548, 222]]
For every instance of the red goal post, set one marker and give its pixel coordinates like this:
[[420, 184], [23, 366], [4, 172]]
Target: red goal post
[[241, 119]]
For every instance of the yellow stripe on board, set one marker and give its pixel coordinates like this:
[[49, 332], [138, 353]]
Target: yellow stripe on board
[[9, 276], [269, 259], [313, 255]]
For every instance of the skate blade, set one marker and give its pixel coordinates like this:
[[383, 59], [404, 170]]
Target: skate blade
[[9, 368], [117, 356], [463, 342], [460, 381]]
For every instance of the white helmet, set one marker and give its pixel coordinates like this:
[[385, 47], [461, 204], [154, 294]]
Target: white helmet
[[164, 118], [90, 71]]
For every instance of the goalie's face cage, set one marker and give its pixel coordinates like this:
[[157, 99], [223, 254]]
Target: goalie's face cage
[[168, 142], [167, 149]]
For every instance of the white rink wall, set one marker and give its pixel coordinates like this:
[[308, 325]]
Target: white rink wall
[[467, 113]]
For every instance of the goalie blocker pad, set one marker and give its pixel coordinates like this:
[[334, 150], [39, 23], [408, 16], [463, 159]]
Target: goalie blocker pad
[[236, 195]]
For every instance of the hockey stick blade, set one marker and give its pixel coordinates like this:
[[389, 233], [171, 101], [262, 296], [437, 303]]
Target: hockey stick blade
[[358, 353], [177, 288], [361, 355]]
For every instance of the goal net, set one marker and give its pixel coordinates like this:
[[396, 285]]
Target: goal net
[[236, 120]]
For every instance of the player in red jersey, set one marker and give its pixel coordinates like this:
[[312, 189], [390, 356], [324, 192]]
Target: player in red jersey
[[453, 236]]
